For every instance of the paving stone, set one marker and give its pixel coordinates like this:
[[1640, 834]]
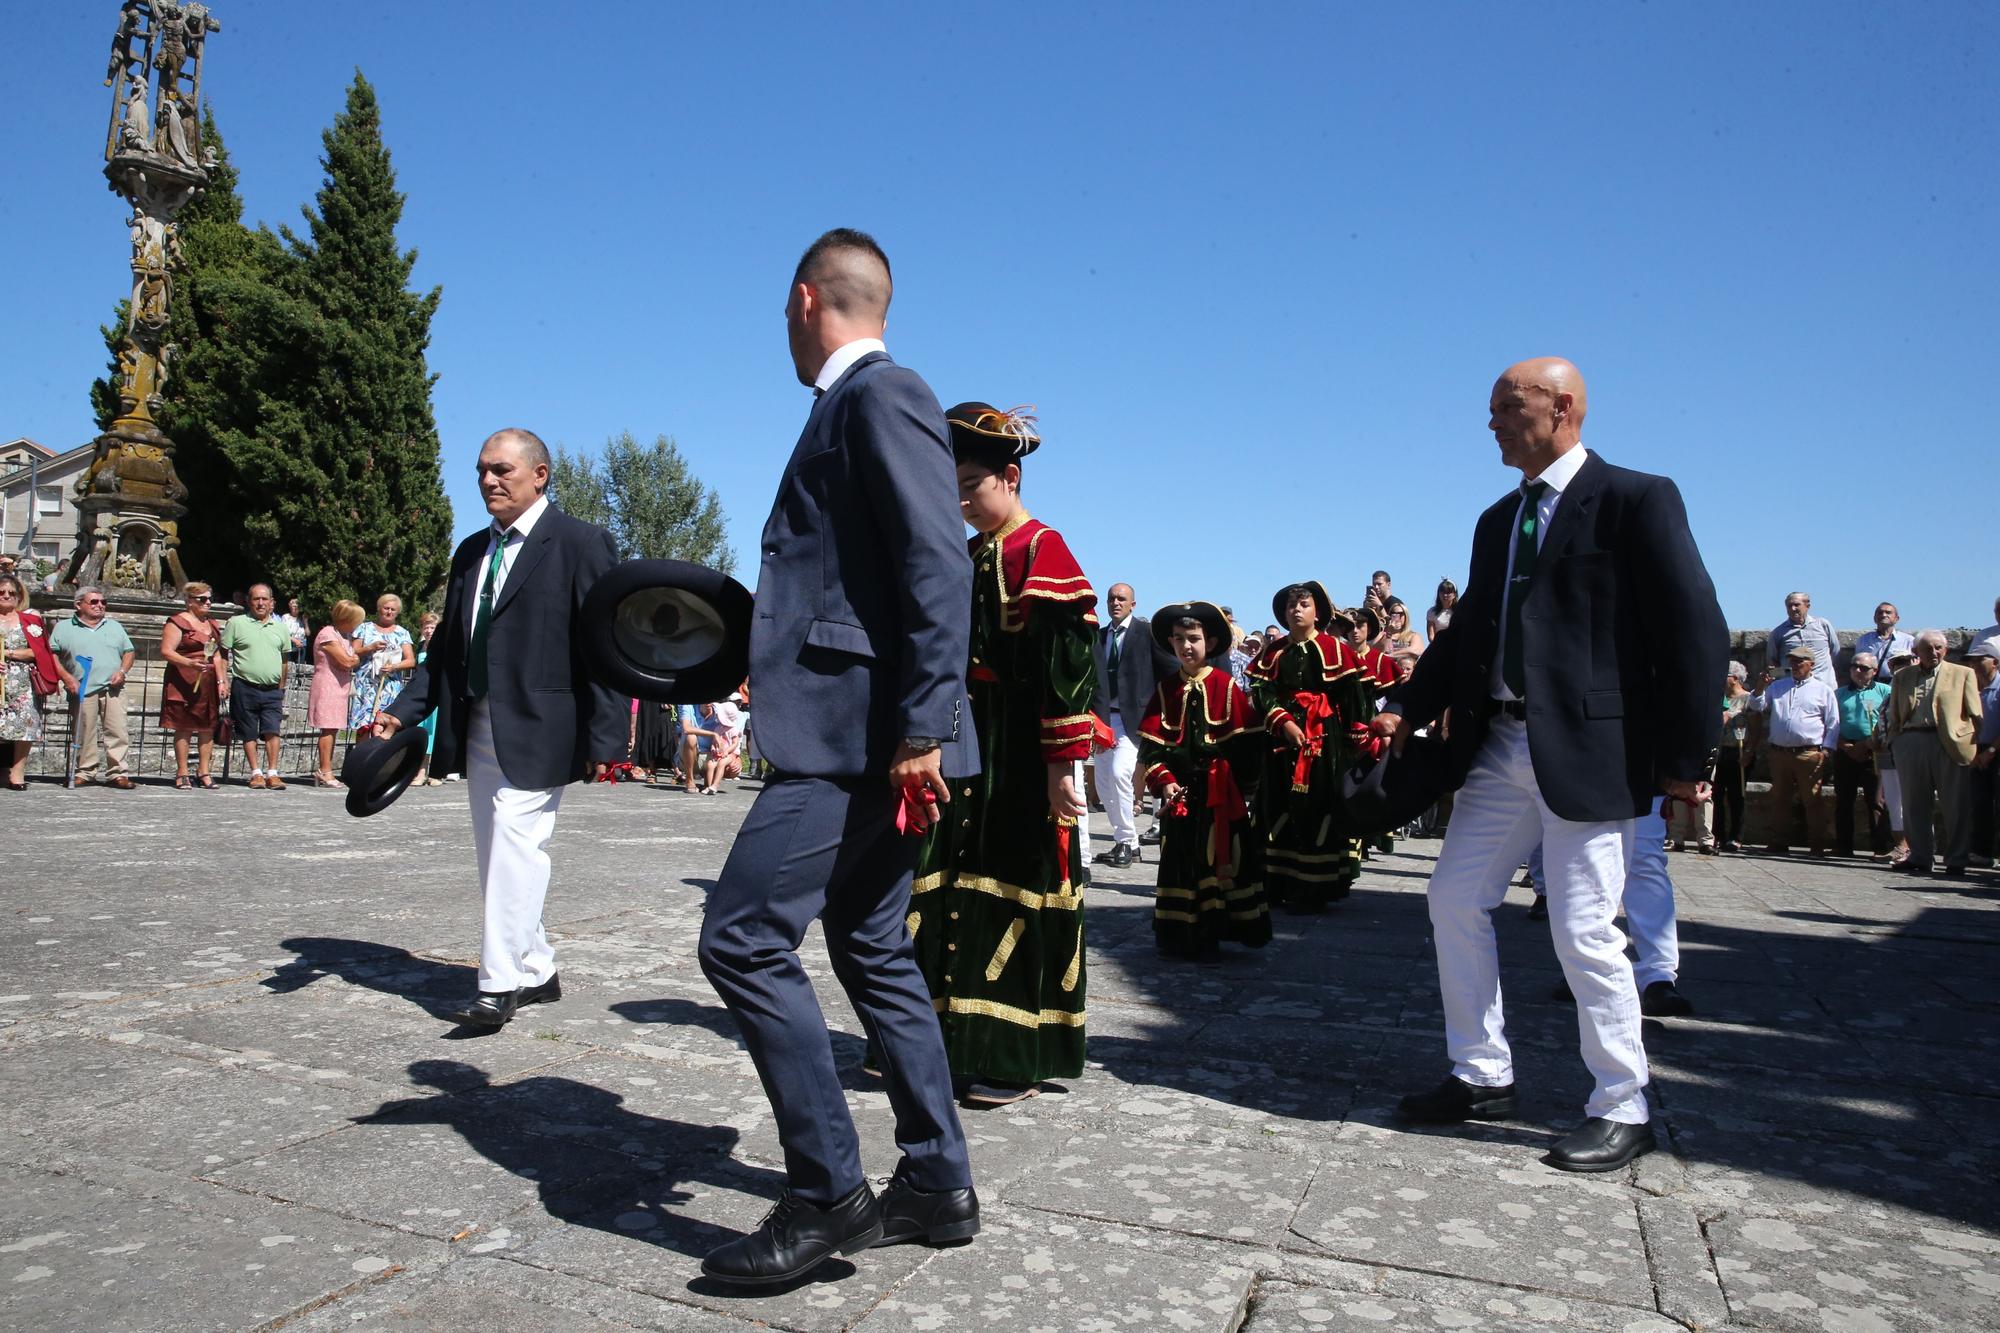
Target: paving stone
[[1199, 1188], [81, 1254], [1283, 1307], [1858, 1275], [1581, 1242], [1029, 1272]]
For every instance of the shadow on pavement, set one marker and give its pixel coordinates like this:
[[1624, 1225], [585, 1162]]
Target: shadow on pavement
[[439, 988]]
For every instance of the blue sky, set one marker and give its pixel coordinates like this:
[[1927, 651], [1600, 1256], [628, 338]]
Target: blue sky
[[1257, 266]]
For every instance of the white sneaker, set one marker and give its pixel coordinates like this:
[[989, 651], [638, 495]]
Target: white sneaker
[[452, 777]]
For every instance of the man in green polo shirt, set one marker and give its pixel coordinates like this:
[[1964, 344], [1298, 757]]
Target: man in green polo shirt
[[97, 706], [255, 644]]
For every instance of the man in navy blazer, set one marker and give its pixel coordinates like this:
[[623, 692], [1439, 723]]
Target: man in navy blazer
[[858, 655], [518, 711], [1580, 673]]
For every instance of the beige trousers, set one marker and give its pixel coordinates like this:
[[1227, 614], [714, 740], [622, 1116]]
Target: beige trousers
[[101, 718]]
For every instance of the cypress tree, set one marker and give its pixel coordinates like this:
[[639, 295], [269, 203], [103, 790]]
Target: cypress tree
[[383, 522]]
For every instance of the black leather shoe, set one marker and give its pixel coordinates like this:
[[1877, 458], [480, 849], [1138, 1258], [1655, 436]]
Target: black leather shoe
[[1538, 910], [491, 1010], [1151, 837], [796, 1237], [1454, 1100], [1119, 856], [1600, 1145], [547, 993], [1662, 999], [935, 1217]]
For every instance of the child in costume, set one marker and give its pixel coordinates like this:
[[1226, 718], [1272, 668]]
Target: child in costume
[[1315, 700], [997, 903], [1199, 750], [1362, 627]]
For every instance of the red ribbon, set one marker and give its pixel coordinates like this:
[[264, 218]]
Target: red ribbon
[[1317, 710], [917, 811], [1226, 802]]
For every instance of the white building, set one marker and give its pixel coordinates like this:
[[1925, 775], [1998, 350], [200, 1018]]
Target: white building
[[38, 491]]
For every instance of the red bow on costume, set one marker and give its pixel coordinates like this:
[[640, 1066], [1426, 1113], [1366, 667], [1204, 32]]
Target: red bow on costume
[[1317, 710], [1226, 801], [1366, 743]]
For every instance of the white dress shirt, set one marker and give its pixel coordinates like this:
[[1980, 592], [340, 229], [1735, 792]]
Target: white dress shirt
[[1557, 475], [843, 358], [1803, 713], [521, 527]]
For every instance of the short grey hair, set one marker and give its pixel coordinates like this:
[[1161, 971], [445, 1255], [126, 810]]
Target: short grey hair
[[1805, 597], [1935, 636], [1737, 671], [1869, 658], [84, 590]]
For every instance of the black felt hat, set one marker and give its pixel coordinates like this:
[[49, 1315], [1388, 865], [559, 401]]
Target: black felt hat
[[985, 433], [1214, 625], [668, 631], [1379, 795], [1322, 604], [377, 772]]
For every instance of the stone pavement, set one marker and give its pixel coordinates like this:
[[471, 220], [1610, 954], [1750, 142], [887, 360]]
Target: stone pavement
[[231, 1105]]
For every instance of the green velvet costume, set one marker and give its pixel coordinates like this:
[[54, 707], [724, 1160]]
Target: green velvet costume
[[997, 904], [1322, 686]]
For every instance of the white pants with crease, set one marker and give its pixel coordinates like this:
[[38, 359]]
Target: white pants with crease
[[1115, 769], [511, 827], [1649, 901], [1497, 819]]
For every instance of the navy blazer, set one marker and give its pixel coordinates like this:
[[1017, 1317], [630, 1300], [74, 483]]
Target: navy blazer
[[1624, 648], [551, 720], [1141, 667], [864, 597]]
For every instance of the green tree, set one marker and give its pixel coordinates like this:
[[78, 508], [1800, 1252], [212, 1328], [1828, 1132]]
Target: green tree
[[576, 486]]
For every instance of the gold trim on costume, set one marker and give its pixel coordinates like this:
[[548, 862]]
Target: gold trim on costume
[[1005, 949], [1074, 972], [1007, 1013], [912, 921], [1027, 898]]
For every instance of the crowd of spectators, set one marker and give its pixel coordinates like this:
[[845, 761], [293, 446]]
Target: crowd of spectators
[[1903, 737]]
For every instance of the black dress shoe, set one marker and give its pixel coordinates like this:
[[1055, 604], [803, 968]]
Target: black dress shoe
[[1151, 837], [494, 1008], [796, 1237], [1538, 910], [491, 1010], [1454, 1100], [1118, 857], [1662, 999], [935, 1217], [1600, 1145]]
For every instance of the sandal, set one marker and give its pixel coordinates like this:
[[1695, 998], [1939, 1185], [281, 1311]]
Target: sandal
[[181, 783], [328, 780], [207, 783]]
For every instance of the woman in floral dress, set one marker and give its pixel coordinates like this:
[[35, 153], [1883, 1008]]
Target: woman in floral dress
[[387, 656]]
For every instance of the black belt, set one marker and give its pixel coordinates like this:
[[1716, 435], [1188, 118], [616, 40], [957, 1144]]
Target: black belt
[[1797, 749], [1514, 708]]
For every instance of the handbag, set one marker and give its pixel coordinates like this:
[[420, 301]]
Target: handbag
[[43, 682]]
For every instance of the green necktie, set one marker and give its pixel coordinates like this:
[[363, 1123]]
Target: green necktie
[[482, 620], [1111, 657], [1527, 545]]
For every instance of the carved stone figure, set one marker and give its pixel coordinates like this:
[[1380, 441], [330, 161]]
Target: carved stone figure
[[179, 136], [121, 41], [135, 132]]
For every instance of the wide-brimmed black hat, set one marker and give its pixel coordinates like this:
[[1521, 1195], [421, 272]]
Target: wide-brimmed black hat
[[1214, 625], [1322, 604], [1380, 795], [668, 631], [377, 772], [986, 433]]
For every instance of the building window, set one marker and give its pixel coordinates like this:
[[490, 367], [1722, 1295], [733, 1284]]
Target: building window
[[48, 500], [48, 550]]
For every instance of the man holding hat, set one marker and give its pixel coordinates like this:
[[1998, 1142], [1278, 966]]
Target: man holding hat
[[858, 653], [518, 711], [1802, 714], [1933, 726]]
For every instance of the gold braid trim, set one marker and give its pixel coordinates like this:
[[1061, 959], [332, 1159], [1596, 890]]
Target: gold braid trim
[[935, 880], [1007, 1013], [912, 921], [1028, 898], [1005, 949], [1074, 972]]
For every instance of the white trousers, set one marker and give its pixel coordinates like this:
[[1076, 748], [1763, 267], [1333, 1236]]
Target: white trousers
[[1890, 784], [1115, 768], [1496, 820], [1649, 901], [511, 827]]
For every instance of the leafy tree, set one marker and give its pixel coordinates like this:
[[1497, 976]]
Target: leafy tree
[[654, 505], [576, 486]]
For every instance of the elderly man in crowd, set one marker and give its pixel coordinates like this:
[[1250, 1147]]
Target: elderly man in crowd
[[255, 645], [1863, 701], [97, 705], [1988, 637], [1884, 641], [1803, 629], [1803, 722], [1984, 780], [1934, 722], [1127, 671]]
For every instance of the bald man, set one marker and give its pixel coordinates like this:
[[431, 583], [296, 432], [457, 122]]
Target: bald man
[[1579, 669], [518, 711]]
